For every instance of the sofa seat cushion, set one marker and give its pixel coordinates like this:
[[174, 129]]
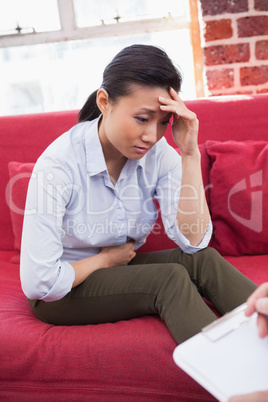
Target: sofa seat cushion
[[255, 267], [238, 191], [123, 361]]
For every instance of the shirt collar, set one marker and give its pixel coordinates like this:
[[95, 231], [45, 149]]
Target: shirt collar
[[94, 154]]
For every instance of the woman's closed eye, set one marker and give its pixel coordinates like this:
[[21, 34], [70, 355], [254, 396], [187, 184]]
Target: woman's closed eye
[[141, 119]]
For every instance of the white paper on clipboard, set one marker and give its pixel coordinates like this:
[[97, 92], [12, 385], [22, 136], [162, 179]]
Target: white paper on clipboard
[[227, 357]]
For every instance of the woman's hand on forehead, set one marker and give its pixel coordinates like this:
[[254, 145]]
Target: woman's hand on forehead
[[185, 124]]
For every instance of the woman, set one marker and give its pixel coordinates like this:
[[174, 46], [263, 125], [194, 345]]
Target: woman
[[91, 202]]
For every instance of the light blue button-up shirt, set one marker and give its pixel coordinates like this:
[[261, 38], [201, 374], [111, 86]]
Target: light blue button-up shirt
[[73, 209]]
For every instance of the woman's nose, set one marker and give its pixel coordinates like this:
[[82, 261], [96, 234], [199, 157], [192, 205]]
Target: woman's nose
[[150, 135]]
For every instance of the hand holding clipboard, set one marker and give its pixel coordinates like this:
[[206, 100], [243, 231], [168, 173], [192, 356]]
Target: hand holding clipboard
[[229, 357], [258, 301]]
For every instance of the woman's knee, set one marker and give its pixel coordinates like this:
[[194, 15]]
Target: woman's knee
[[206, 264], [210, 258], [210, 252], [175, 274], [216, 261]]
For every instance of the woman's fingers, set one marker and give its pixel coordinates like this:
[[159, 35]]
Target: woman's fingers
[[176, 106]]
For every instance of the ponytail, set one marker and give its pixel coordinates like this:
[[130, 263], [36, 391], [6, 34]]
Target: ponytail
[[90, 110]]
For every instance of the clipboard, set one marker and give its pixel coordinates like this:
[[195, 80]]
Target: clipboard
[[227, 357]]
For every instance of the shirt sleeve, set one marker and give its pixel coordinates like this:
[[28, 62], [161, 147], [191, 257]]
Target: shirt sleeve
[[43, 275], [168, 195]]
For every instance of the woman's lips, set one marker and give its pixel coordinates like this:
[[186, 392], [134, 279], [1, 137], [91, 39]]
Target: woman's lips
[[141, 150]]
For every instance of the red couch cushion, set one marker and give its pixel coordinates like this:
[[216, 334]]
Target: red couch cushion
[[238, 190]]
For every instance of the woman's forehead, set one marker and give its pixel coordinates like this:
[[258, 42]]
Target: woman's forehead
[[147, 89], [145, 96]]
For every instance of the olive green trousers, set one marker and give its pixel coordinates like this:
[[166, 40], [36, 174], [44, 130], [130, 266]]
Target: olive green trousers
[[168, 283]]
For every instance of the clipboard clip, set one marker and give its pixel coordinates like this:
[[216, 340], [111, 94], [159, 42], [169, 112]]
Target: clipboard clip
[[228, 323]]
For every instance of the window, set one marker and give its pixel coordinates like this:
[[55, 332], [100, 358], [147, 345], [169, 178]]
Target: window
[[96, 12], [28, 16], [52, 58]]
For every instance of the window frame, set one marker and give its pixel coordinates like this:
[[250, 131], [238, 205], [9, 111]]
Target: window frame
[[70, 31]]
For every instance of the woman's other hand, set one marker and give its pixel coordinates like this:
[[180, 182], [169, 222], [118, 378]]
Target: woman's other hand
[[119, 255], [108, 257]]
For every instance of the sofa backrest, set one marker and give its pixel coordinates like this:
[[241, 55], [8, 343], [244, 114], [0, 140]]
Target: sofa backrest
[[24, 138], [239, 117]]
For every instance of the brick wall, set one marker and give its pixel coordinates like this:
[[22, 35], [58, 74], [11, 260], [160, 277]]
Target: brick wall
[[235, 46]]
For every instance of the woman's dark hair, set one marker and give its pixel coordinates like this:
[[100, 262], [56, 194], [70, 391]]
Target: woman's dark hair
[[135, 65]]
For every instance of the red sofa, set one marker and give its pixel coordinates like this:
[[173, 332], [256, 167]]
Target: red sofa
[[128, 360]]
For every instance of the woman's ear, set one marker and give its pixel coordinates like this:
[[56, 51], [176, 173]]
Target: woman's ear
[[102, 100]]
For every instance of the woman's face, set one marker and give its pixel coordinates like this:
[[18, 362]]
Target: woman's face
[[132, 125]]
